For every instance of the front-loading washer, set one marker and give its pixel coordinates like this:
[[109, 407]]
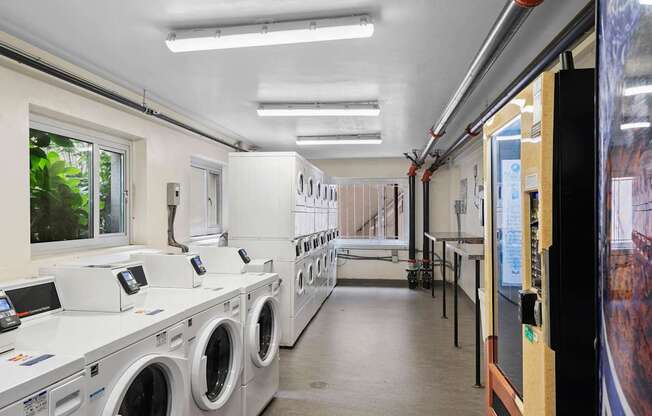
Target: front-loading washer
[[145, 347], [36, 383], [261, 310], [295, 297], [215, 358], [41, 384]]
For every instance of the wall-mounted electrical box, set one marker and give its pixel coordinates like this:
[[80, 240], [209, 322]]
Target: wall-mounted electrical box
[[174, 193]]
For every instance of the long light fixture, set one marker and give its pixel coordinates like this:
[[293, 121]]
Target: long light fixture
[[639, 89], [339, 139], [280, 33], [635, 125], [365, 109]]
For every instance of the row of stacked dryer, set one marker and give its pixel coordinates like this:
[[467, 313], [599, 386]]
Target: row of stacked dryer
[[142, 333], [283, 207]]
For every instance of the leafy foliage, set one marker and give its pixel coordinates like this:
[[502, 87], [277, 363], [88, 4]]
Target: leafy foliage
[[59, 187], [110, 222]]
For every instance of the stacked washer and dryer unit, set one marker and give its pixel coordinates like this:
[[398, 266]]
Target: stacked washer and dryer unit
[[282, 207]]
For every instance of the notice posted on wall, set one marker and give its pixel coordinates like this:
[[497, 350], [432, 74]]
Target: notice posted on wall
[[511, 222]]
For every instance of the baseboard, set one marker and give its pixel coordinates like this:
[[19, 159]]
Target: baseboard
[[372, 282]]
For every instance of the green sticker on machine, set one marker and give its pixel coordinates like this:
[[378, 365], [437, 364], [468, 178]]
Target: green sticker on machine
[[529, 334]]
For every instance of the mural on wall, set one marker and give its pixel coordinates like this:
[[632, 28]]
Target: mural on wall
[[625, 98]]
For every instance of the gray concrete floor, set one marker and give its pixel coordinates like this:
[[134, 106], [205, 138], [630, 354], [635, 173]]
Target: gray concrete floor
[[381, 351]]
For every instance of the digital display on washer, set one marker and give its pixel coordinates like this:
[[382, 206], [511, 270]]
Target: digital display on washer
[[34, 300], [244, 256], [198, 265], [139, 274], [4, 305], [128, 282]]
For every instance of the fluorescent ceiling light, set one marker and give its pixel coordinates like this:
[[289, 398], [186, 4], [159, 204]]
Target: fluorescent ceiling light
[[646, 2], [281, 33], [635, 125], [370, 109], [346, 139], [640, 89]]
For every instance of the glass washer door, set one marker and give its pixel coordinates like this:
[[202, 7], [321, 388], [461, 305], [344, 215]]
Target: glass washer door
[[265, 330], [216, 363], [218, 354], [148, 394], [299, 282]]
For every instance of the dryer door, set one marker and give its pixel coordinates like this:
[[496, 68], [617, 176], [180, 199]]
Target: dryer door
[[311, 276], [263, 330], [152, 386], [216, 363], [299, 282]]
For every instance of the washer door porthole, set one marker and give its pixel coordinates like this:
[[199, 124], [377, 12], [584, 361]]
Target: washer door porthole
[[217, 363], [299, 282], [263, 331], [153, 385], [300, 184], [148, 394]]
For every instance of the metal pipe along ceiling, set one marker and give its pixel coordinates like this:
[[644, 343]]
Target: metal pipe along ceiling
[[577, 28], [509, 21], [42, 66]]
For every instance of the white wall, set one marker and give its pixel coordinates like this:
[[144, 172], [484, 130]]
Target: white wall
[[447, 182], [444, 189], [161, 154]]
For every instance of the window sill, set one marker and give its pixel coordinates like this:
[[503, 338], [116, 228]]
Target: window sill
[[371, 244], [72, 255]]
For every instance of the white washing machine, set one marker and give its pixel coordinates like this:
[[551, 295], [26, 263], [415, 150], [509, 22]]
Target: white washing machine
[[325, 279], [136, 361], [261, 309], [295, 296], [38, 384], [35, 383], [172, 270], [215, 358]]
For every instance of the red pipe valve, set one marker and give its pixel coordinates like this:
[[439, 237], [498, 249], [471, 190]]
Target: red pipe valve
[[528, 4]]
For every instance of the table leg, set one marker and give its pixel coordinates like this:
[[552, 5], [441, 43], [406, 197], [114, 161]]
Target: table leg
[[478, 383], [443, 276], [456, 270], [432, 266]]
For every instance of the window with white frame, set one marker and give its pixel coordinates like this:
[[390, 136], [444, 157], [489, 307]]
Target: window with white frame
[[205, 199], [621, 211], [372, 209], [78, 187]]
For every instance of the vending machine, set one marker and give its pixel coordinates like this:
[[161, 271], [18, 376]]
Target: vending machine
[[540, 161]]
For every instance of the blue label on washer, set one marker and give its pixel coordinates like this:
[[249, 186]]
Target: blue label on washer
[[154, 312], [97, 394], [37, 360]]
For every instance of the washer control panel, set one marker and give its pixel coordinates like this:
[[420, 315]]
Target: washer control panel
[[8, 318]]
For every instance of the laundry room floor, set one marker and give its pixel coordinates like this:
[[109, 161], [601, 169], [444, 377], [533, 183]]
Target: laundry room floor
[[381, 351]]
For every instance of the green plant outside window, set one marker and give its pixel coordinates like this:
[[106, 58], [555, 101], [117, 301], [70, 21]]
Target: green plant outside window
[[111, 192], [60, 187]]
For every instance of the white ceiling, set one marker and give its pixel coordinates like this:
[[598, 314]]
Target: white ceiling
[[418, 54]]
